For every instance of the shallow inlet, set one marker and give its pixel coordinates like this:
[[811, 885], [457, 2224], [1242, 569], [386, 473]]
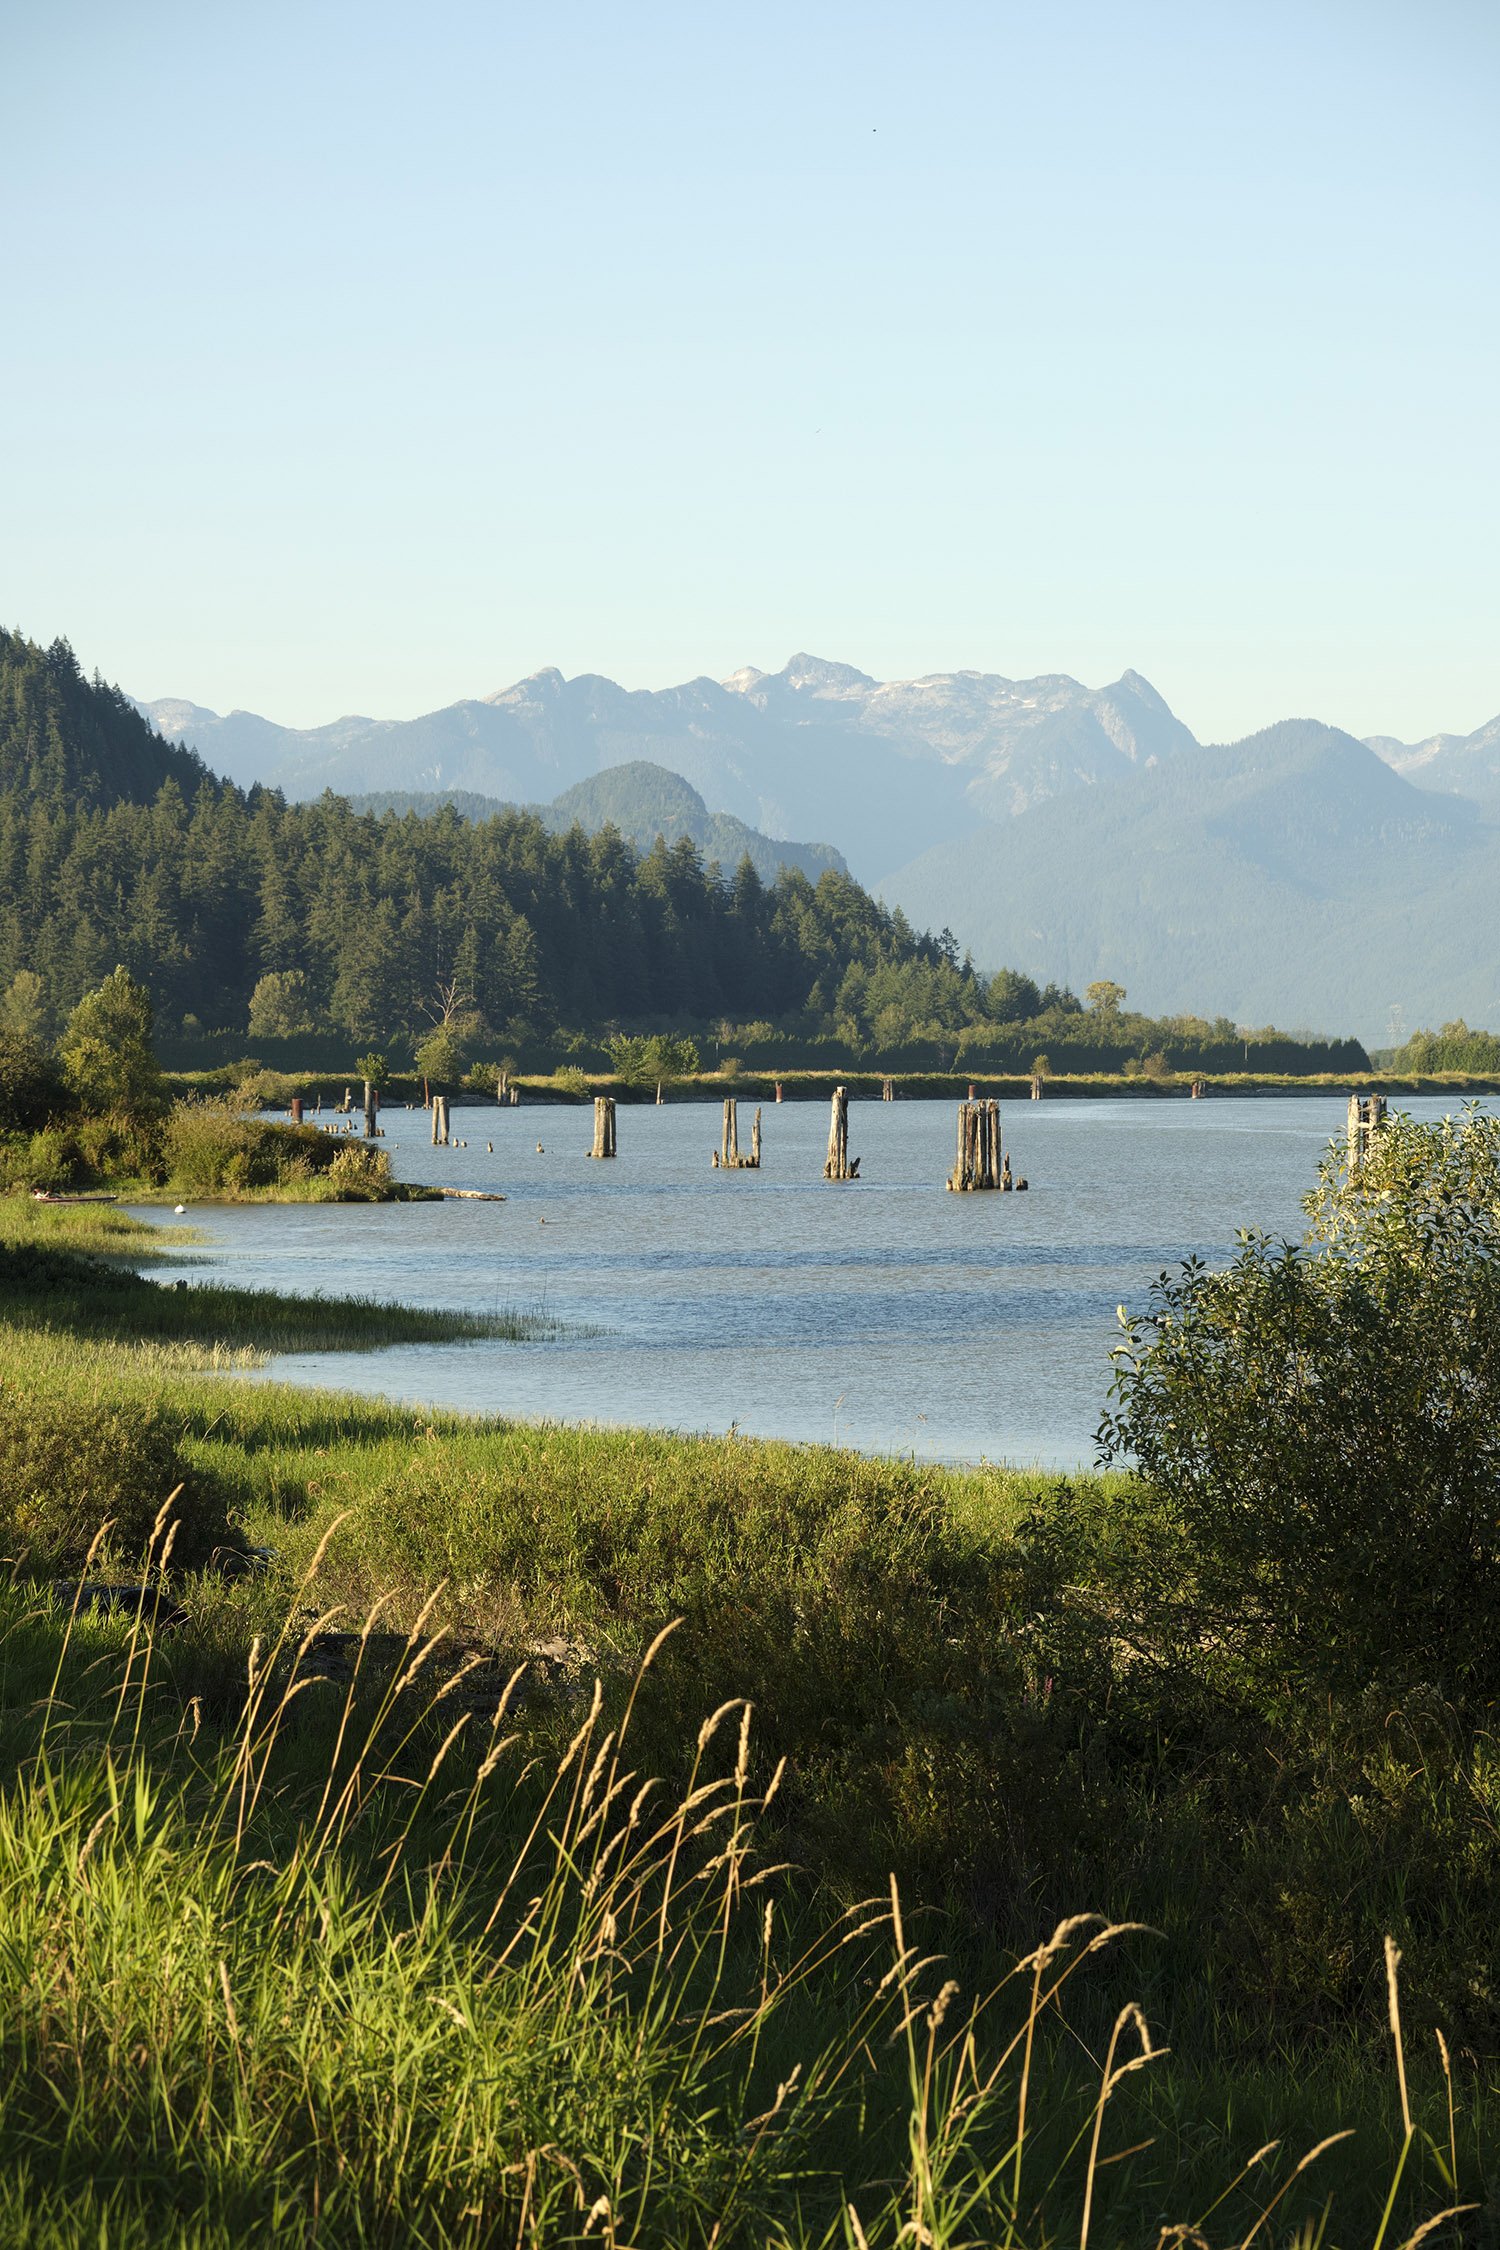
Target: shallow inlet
[[883, 1313]]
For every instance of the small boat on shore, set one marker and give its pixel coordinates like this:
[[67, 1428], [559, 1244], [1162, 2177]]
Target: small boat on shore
[[45, 1195]]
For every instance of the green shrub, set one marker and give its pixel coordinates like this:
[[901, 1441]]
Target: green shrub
[[31, 1087], [213, 1147], [50, 1160], [1321, 1426], [360, 1174], [66, 1468]]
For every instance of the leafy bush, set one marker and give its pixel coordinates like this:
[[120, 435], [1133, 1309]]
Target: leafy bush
[[213, 1148], [1320, 1425], [66, 1468], [658, 1058], [281, 1006], [106, 1049], [360, 1174]]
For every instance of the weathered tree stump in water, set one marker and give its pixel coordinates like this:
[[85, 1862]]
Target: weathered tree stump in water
[[1036, 1085], [888, 1089], [727, 1157], [372, 1108], [440, 1121], [778, 1089], [1366, 1116], [840, 1165], [604, 1126], [978, 1163]]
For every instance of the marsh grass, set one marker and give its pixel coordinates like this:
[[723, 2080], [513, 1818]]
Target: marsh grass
[[68, 1270], [98, 1230], [284, 1957], [360, 1966]]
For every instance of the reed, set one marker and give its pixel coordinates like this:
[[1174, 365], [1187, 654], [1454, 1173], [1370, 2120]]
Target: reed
[[361, 1967]]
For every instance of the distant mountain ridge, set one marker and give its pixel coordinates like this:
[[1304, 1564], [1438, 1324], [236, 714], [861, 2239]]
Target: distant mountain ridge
[[1466, 765], [1301, 875], [1293, 875], [817, 749], [643, 801]]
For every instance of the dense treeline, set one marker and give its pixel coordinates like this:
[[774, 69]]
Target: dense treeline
[[1453, 1047], [243, 914]]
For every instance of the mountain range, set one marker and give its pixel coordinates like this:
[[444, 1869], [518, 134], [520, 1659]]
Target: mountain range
[[1302, 874], [643, 801]]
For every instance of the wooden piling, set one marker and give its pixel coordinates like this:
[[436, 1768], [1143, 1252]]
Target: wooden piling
[[840, 1165], [1366, 1117], [1199, 1090], [372, 1105], [888, 1089], [727, 1157], [296, 1109], [978, 1158], [1036, 1085], [778, 1089], [604, 1126], [440, 1121]]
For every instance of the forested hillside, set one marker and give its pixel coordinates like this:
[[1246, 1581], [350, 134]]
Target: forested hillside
[[643, 801], [116, 847], [246, 915], [69, 740]]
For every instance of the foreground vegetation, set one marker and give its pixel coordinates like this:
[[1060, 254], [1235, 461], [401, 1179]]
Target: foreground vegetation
[[364, 1945]]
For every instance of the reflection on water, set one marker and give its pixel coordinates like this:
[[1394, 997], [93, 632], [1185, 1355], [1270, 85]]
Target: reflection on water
[[884, 1312]]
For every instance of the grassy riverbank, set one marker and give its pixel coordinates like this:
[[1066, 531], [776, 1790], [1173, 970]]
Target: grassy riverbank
[[282, 1960], [69, 1272]]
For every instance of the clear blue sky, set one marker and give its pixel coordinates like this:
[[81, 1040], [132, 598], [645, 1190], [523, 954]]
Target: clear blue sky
[[356, 358]]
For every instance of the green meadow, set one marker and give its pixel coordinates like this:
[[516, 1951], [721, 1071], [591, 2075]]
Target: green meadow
[[487, 1833]]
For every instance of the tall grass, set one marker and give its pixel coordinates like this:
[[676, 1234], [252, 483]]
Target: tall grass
[[362, 1968], [52, 1280]]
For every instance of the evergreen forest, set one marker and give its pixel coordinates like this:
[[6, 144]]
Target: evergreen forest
[[244, 915]]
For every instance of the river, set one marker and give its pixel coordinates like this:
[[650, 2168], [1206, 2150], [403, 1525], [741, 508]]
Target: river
[[883, 1314]]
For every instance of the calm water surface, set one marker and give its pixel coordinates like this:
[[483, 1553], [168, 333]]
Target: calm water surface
[[884, 1313]]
